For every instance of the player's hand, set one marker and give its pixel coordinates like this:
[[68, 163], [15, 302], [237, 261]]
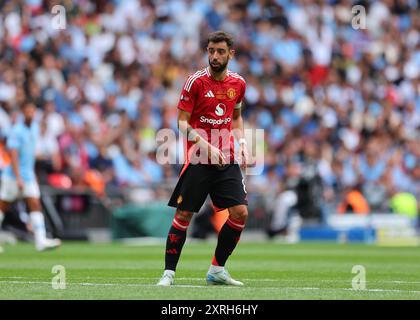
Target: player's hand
[[216, 156], [20, 183], [243, 156], [29, 227]]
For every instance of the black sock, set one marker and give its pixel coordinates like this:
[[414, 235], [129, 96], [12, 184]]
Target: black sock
[[174, 243], [228, 238]]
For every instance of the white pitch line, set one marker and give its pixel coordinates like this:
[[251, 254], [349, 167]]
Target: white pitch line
[[382, 290], [221, 287], [244, 279], [355, 290], [86, 284], [350, 289]]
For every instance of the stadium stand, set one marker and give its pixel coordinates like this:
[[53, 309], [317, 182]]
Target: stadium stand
[[343, 102]]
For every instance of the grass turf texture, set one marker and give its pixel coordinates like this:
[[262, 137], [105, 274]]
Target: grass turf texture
[[269, 271]]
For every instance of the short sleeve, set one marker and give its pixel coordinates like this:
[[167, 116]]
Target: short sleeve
[[241, 95], [188, 95], [13, 141]]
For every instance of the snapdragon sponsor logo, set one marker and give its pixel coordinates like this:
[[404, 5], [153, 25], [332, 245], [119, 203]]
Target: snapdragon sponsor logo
[[214, 122], [220, 110], [171, 148]]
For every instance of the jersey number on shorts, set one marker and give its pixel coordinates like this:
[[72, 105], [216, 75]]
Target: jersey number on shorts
[[243, 183]]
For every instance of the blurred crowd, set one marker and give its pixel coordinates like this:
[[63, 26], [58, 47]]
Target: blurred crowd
[[342, 100]]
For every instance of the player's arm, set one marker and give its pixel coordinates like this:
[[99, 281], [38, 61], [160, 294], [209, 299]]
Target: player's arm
[[238, 124], [13, 144], [238, 132], [186, 106], [14, 158], [188, 131]]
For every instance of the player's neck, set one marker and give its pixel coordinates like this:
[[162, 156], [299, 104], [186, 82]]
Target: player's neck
[[219, 76], [27, 123]]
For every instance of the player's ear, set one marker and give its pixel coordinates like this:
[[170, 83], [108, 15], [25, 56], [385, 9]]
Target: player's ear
[[231, 53]]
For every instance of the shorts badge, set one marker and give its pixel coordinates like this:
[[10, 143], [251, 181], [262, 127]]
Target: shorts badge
[[179, 200]]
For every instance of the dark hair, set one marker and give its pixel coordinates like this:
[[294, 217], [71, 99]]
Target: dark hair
[[220, 36], [27, 102]]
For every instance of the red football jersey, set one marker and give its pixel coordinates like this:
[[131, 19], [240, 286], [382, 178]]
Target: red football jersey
[[211, 104]]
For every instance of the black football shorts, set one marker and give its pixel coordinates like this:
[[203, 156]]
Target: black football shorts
[[225, 185]]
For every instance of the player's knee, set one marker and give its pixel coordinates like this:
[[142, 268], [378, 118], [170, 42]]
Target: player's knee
[[184, 215], [33, 204], [239, 213], [4, 206], [243, 214]]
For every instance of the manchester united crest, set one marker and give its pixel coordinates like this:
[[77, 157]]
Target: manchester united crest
[[231, 93], [179, 200]]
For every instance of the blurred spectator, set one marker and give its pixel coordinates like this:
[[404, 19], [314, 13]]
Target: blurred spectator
[[354, 202], [47, 152], [341, 103], [405, 203]]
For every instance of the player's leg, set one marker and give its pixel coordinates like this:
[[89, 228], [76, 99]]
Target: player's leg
[[38, 226], [174, 243], [188, 197], [31, 194], [227, 240], [230, 234], [8, 193], [4, 205], [3, 208], [229, 193]]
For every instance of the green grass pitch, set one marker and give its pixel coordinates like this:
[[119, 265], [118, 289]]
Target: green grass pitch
[[269, 270]]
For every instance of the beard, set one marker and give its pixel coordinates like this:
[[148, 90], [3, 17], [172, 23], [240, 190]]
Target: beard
[[218, 68]]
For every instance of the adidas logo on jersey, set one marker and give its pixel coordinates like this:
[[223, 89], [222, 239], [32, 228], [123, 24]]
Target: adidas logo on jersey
[[209, 94]]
